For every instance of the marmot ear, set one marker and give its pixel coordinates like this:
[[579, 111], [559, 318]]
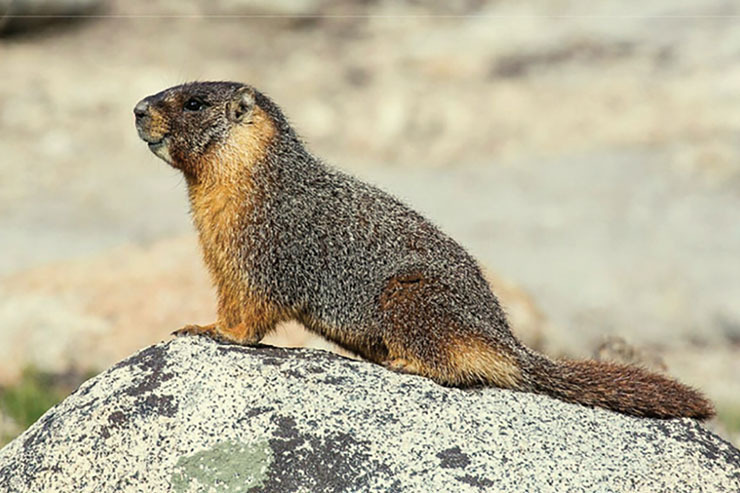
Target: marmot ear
[[241, 104]]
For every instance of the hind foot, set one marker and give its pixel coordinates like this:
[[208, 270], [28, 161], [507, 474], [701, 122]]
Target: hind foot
[[403, 365]]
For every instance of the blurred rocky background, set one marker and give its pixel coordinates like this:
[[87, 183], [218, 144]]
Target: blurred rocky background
[[587, 153]]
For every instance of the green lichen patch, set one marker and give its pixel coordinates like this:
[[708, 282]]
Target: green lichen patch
[[228, 466]]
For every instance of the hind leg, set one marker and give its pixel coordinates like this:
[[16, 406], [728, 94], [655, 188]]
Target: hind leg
[[425, 334], [418, 329], [461, 361]]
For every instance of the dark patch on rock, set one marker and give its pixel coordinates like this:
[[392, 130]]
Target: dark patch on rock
[[285, 426], [710, 446], [435, 396], [380, 415], [257, 411], [408, 385], [303, 372], [117, 419], [482, 484], [86, 408], [334, 380], [335, 462], [152, 361], [161, 405], [272, 361], [85, 388], [453, 458], [39, 434], [294, 374]]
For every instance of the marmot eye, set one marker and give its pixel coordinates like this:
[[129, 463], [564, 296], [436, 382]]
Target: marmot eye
[[194, 104]]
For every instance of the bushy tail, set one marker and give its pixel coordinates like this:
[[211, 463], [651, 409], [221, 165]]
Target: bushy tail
[[626, 389]]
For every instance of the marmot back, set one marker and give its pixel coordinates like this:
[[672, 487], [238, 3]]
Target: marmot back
[[287, 237]]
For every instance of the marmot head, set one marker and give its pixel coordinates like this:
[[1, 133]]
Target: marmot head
[[200, 126]]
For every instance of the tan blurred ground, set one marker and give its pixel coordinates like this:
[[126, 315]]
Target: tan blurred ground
[[586, 152]]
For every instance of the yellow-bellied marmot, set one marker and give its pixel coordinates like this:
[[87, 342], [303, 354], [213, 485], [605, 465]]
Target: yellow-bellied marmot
[[287, 237]]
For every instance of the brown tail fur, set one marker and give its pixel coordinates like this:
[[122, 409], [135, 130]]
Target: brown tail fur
[[626, 389]]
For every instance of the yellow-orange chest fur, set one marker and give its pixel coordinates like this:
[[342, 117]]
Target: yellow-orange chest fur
[[219, 216], [222, 200]]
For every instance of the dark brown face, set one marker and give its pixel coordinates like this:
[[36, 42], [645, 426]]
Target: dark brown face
[[183, 124]]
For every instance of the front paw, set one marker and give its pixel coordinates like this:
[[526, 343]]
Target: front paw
[[194, 330]]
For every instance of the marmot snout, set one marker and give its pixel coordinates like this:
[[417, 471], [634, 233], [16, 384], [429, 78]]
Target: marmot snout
[[182, 125]]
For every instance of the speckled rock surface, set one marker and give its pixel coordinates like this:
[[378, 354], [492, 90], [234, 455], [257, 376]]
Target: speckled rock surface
[[194, 415]]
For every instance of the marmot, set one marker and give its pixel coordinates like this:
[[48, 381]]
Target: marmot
[[287, 237]]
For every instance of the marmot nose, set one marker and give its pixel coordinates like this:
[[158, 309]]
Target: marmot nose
[[141, 109]]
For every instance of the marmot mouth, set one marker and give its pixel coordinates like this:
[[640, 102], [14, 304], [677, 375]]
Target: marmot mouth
[[156, 144], [160, 148]]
